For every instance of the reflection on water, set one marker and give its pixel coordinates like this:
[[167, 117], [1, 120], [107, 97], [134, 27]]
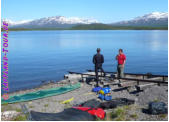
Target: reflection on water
[[35, 56]]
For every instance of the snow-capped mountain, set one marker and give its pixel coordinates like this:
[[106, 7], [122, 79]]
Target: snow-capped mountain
[[50, 22], [12, 23], [153, 19]]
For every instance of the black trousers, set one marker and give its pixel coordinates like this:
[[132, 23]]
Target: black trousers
[[97, 68]]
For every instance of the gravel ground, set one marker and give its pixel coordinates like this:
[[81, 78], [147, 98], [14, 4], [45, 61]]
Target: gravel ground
[[154, 93], [53, 104]]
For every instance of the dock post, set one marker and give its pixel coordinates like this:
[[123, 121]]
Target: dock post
[[163, 79], [82, 78]]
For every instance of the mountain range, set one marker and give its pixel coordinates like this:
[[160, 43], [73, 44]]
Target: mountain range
[[51, 22], [155, 19]]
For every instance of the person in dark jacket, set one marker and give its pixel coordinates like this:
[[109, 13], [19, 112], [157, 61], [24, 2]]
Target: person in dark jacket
[[98, 60]]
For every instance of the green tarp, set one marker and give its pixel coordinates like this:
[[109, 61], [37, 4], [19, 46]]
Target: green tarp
[[40, 94]]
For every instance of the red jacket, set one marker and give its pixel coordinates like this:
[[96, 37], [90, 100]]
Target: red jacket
[[121, 58], [99, 112]]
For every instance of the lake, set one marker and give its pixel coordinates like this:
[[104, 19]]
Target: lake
[[36, 56]]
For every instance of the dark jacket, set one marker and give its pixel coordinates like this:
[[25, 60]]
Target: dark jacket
[[98, 59]]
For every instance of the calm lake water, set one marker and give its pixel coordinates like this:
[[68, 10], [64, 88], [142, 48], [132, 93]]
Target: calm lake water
[[36, 56]]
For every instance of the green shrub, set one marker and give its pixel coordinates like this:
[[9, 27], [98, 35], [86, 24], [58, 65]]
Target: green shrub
[[31, 106], [134, 116], [20, 118], [119, 114], [46, 105], [162, 115]]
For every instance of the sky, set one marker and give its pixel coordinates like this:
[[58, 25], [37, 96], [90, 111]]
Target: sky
[[106, 11]]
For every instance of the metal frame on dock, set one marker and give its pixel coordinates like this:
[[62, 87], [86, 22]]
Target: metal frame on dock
[[139, 74], [129, 79]]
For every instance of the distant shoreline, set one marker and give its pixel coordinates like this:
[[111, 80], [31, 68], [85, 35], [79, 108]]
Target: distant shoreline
[[92, 27], [73, 30]]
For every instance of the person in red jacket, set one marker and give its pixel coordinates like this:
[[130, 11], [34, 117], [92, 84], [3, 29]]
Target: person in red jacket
[[121, 58]]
